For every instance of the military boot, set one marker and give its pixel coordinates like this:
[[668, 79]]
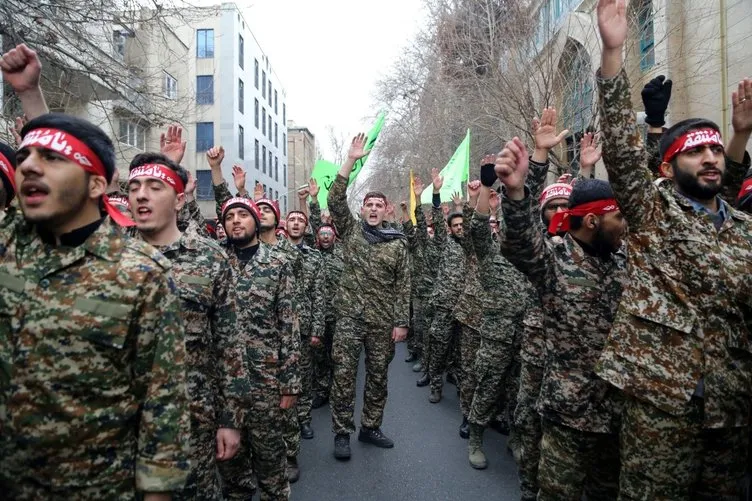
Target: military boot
[[474, 448], [418, 367], [424, 380], [376, 437], [293, 470], [342, 446], [435, 397], [464, 428]]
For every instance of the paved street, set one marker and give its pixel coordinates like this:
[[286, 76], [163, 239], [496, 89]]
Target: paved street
[[428, 462]]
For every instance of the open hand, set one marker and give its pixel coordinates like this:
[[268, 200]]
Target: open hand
[[544, 130], [171, 143]]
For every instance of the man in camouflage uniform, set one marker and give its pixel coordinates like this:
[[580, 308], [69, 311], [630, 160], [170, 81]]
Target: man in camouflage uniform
[[415, 251], [331, 254], [679, 348], [579, 279], [156, 191], [502, 317], [450, 283], [310, 289], [92, 386], [270, 336], [372, 306]]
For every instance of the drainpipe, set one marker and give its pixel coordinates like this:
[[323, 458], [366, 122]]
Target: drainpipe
[[724, 69]]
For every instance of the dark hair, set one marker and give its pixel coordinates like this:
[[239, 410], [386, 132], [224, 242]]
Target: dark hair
[[453, 215], [8, 152], [585, 191], [86, 132], [679, 129], [159, 158], [375, 194]]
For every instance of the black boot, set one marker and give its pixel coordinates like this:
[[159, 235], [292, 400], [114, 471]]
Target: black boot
[[423, 381], [465, 429], [375, 437], [306, 431], [319, 401], [293, 470], [411, 357], [342, 446], [500, 427], [451, 378], [435, 396]]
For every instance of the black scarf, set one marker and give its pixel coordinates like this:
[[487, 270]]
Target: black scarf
[[378, 235]]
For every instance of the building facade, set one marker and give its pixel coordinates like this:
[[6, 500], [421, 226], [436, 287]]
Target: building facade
[[301, 150]]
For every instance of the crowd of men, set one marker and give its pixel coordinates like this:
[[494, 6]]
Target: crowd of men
[[603, 325]]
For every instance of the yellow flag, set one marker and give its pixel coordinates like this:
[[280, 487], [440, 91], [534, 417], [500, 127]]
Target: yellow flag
[[412, 198]]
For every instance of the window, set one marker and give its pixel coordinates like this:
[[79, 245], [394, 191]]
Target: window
[[284, 175], [204, 89], [276, 195], [205, 44], [204, 136], [263, 84], [284, 113], [263, 121], [275, 103], [241, 142], [284, 143], [263, 159], [133, 134], [241, 50], [256, 73], [276, 135], [270, 127], [256, 154], [204, 186], [270, 94], [256, 112], [241, 96], [647, 35], [265, 191], [270, 162], [276, 169], [170, 86], [118, 44]]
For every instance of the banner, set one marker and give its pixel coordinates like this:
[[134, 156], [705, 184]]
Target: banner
[[371, 138], [412, 198], [456, 174], [324, 173]]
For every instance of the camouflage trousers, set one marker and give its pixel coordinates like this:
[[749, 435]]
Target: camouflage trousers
[[512, 386], [203, 479], [527, 423], [417, 326], [491, 366], [351, 337], [443, 336], [31, 491], [262, 451], [574, 462], [300, 413], [323, 368], [428, 314], [667, 457], [469, 344]]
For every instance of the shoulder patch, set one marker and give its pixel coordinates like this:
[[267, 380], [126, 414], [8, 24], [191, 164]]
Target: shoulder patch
[[147, 250]]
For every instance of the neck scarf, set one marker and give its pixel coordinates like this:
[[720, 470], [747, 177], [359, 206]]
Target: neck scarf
[[379, 235]]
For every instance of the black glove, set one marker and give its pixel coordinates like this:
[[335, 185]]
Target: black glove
[[655, 97], [487, 175]]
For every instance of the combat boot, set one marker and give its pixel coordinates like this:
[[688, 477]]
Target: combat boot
[[474, 448], [418, 367], [376, 437], [342, 446], [425, 380], [464, 428], [306, 431], [293, 470], [319, 401], [411, 357], [435, 397]]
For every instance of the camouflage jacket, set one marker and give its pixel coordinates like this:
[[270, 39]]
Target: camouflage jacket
[[190, 215], [680, 328], [311, 285], [334, 264], [415, 251], [469, 309], [92, 357], [375, 285], [507, 293], [204, 280], [449, 281], [430, 251], [580, 294], [269, 331]]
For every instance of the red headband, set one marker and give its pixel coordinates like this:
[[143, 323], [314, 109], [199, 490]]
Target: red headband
[[246, 203], [746, 188], [560, 221], [9, 171], [691, 140], [160, 172], [77, 152], [120, 200], [297, 212]]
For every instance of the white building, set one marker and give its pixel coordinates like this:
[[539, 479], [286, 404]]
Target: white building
[[240, 105]]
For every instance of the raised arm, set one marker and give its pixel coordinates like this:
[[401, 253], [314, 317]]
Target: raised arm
[[437, 215], [655, 97], [737, 158], [214, 157], [480, 230], [338, 208], [590, 154], [623, 152], [191, 212], [22, 70], [421, 228]]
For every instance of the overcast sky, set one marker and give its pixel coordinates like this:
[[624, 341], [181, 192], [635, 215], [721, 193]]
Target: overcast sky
[[330, 53]]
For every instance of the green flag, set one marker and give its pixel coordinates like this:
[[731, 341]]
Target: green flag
[[371, 138], [324, 173], [456, 174]]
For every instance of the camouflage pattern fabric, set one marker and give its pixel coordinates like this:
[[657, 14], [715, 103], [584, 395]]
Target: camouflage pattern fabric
[[675, 334], [367, 313], [92, 381], [574, 463], [469, 344], [527, 425], [660, 456], [323, 367], [270, 336], [444, 331], [190, 215], [203, 277], [415, 252]]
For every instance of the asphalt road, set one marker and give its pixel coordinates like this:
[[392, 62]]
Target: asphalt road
[[429, 459]]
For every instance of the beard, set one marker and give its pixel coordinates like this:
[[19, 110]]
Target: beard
[[689, 185], [603, 245]]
